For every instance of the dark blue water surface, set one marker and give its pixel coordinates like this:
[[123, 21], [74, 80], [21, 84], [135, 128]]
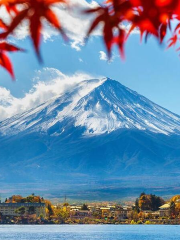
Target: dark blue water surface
[[88, 232]]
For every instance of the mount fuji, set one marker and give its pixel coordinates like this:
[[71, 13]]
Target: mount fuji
[[99, 140]]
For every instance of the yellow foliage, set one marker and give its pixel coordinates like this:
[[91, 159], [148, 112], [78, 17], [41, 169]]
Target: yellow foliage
[[175, 198]]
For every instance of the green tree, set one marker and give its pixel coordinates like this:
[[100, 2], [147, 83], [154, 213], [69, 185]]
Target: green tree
[[150, 202], [156, 202], [21, 211], [31, 210], [136, 208], [50, 210], [172, 208], [84, 207], [41, 216], [62, 215], [142, 194]]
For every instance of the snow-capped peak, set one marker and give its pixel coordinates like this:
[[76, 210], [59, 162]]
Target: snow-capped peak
[[99, 106]]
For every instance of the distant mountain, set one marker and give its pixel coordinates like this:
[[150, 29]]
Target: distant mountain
[[98, 140]]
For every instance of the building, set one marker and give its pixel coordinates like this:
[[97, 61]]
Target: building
[[105, 212], [10, 209], [80, 214], [151, 214], [126, 212], [117, 212], [164, 210]]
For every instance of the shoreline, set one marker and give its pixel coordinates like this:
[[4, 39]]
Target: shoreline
[[95, 224]]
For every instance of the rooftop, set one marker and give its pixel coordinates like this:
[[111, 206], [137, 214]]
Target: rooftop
[[165, 206]]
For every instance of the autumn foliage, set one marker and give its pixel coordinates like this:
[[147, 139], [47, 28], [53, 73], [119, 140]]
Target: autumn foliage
[[117, 19], [150, 202], [29, 199]]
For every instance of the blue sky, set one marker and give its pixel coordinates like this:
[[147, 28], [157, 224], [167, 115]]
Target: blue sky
[[148, 69]]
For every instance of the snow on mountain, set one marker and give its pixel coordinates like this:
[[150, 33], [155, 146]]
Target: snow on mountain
[[100, 106], [96, 137]]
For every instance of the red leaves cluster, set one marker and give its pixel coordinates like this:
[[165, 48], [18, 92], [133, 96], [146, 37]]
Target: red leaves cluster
[[150, 17], [4, 59], [34, 11]]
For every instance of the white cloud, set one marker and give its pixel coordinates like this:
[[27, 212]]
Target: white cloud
[[74, 21], [103, 56], [48, 83]]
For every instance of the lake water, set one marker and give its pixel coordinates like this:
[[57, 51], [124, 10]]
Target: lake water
[[89, 232]]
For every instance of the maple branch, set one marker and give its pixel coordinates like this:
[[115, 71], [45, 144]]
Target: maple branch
[[150, 17]]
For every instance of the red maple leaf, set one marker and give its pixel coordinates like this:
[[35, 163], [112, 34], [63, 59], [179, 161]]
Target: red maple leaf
[[35, 11], [151, 17], [10, 5], [172, 41], [112, 32], [4, 59]]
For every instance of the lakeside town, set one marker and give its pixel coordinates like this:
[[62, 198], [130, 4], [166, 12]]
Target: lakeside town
[[147, 209]]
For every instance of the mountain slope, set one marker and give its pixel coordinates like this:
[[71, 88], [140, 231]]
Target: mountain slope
[[101, 106], [98, 135]]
